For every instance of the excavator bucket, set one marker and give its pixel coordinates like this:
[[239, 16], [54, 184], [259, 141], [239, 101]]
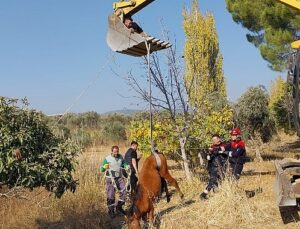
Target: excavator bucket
[[287, 183], [121, 39]]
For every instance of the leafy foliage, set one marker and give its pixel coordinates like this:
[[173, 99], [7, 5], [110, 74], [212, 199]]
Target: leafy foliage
[[204, 77], [45, 160], [281, 105], [165, 137], [253, 114], [272, 25], [91, 128], [114, 131], [204, 74], [219, 121]]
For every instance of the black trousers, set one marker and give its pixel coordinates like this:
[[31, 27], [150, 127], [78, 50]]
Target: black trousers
[[216, 172], [133, 182], [236, 169]]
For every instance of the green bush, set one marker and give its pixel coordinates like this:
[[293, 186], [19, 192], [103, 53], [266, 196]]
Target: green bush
[[46, 160], [253, 115]]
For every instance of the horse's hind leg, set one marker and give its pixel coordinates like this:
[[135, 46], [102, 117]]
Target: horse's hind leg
[[172, 182], [165, 189]]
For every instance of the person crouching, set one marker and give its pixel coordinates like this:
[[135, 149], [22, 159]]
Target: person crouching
[[112, 166], [216, 158]]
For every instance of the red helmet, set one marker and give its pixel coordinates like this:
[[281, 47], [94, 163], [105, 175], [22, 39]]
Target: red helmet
[[235, 131]]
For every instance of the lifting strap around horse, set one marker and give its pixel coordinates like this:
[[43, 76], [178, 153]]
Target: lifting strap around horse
[[157, 158], [158, 161]]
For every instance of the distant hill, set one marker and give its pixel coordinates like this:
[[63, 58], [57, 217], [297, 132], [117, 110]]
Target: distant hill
[[123, 112]]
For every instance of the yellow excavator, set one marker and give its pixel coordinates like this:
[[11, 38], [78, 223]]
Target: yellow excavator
[[122, 39], [292, 3], [287, 182], [296, 5]]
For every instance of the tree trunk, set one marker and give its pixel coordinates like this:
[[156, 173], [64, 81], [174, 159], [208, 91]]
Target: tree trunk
[[258, 156], [201, 159], [289, 121], [296, 96], [188, 174]]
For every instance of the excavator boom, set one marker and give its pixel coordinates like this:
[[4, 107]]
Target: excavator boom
[[296, 5], [130, 7], [292, 3]]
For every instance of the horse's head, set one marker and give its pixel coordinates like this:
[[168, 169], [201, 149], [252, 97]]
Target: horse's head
[[134, 223], [134, 214], [133, 218]]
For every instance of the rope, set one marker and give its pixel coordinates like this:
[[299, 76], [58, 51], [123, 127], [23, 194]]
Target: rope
[[85, 89], [148, 47], [114, 182], [157, 158]]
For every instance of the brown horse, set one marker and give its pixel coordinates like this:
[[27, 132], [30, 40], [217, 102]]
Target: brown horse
[[149, 189]]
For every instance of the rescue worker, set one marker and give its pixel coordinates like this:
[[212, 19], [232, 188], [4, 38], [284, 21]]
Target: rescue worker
[[112, 166], [132, 159], [217, 158], [134, 27], [237, 153]]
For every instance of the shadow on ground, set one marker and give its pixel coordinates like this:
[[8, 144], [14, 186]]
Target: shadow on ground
[[168, 210], [272, 157], [288, 147], [90, 220], [289, 214]]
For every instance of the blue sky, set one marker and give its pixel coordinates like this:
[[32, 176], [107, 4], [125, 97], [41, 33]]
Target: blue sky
[[50, 51]]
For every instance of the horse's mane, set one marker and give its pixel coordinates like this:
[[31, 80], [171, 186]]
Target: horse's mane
[[138, 195]]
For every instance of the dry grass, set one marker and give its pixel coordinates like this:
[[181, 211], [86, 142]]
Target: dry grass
[[227, 208], [84, 209]]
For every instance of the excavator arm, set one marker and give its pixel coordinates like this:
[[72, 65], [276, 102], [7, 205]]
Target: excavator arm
[[296, 5], [130, 7], [292, 3]]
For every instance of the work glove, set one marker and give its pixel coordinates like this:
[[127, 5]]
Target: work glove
[[106, 166], [222, 150]]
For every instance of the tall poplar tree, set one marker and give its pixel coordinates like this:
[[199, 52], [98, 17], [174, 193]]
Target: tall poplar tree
[[204, 75]]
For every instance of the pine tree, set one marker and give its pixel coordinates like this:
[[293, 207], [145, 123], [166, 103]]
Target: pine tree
[[272, 26]]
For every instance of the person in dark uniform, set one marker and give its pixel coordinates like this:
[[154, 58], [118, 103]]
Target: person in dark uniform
[[237, 153], [216, 165], [132, 159]]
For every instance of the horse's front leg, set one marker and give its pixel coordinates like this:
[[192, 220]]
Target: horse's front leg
[[145, 218], [151, 215]]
